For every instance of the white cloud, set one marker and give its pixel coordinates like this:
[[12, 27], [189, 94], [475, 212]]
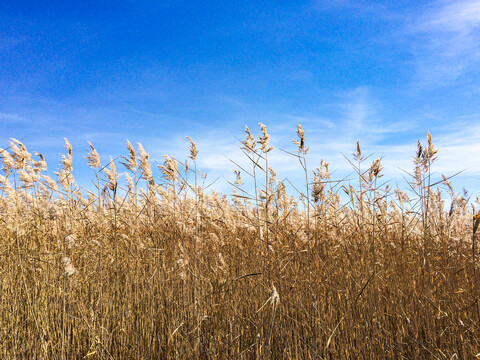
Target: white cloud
[[459, 148], [459, 16], [12, 118], [359, 117], [445, 41], [354, 114], [356, 117]]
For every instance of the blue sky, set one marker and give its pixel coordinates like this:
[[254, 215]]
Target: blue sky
[[155, 71]]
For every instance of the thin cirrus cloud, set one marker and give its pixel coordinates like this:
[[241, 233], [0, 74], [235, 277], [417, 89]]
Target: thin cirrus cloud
[[441, 36], [445, 38], [12, 118], [328, 138]]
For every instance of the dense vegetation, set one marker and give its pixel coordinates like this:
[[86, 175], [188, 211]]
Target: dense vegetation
[[154, 268]]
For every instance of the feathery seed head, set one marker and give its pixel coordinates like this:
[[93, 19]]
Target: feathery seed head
[[169, 168], [274, 297], [419, 150], [131, 161], [238, 178], [21, 157], [7, 160], [112, 175], [375, 170], [145, 167], [446, 182], [93, 158], [40, 165], [358, 155], [430, 151], [320, 175], [130, 183], [70, 241], [301, 140], [67, 160], [264, 139], [192, 148], [68, 267], [249, 142]]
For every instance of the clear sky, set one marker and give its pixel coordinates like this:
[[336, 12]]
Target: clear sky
[[383, 72]]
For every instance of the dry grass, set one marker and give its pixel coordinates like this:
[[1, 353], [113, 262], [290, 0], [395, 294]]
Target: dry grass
[[152, 269]]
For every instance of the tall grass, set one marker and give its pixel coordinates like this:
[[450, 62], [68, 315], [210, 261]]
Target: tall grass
[[159, 267]]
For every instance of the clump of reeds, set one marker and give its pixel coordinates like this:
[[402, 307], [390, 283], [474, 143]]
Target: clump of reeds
[[160, 266]]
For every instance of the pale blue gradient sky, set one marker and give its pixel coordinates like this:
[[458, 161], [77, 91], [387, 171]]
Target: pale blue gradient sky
[[381, 72]]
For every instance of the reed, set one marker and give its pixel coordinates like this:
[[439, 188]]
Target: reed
[[158, 266]]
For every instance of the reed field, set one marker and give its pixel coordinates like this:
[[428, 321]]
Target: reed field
[[154, 264]]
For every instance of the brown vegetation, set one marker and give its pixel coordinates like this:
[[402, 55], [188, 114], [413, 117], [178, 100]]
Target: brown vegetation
[[165, 270]]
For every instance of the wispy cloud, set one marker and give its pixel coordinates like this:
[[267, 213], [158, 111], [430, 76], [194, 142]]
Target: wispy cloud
[[356, 114], [359, 112], [12, 118], [359, 116], [459, 146], [445, 40]]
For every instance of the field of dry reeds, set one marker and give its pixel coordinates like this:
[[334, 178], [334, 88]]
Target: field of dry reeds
[[156, 266]]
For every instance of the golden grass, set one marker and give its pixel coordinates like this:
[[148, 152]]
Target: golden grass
[[164, 270]]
